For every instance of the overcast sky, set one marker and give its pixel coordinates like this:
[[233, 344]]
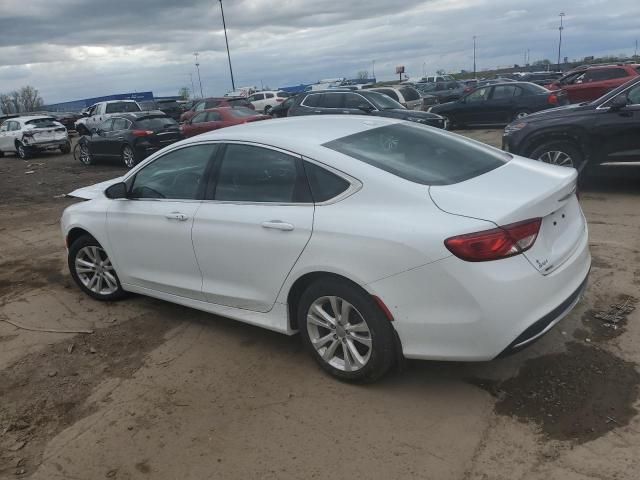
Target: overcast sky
[[72, 49]]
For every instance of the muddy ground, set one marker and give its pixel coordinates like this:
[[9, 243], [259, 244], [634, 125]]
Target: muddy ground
[[161, 391]]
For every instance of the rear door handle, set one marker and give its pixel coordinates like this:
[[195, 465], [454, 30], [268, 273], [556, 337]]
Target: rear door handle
[[278, 225], [176, 216]]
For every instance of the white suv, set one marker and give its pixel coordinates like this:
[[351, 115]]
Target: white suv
[[408, 96], [99, 112], [265, 101], [30, 134]]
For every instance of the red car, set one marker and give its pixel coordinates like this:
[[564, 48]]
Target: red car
[[590, 83], [215, 118], [214, 102]]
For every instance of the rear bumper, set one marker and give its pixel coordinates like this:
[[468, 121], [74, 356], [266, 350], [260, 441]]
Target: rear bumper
[[456, 310], [48, 145]]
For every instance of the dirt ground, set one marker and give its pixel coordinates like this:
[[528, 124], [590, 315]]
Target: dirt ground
[[161, 391]]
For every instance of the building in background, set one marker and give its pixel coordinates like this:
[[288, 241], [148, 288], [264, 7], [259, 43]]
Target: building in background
[[77, 105]]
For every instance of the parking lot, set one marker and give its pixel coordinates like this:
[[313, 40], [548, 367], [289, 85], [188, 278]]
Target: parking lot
[[161, 391]]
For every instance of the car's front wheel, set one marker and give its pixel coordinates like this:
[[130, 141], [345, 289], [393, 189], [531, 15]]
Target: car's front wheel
[[267, 109], [65, 148], [82, 153], [23, 152], [520, 114], [345, 331], [92, 270], [560, 153], [129, 157]]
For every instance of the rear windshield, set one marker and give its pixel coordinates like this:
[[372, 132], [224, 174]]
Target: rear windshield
[[242, 112], [409, 93], [154, 123], [43, 123], [420, 154], [238, 101], [120, 107]]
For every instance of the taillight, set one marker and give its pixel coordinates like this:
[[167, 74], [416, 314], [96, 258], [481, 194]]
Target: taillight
[[553, 99], [141, 133], [497, 243], [279, 100]]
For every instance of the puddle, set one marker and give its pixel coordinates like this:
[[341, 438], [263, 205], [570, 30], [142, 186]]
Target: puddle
[[578, 395], [607, 321]]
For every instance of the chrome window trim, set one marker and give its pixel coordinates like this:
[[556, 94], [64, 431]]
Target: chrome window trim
[[355, 185], [605, 105]]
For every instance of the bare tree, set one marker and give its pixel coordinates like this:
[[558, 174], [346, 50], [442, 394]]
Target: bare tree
[[363, 75], [30, 99], [6, 105], [15, 101]]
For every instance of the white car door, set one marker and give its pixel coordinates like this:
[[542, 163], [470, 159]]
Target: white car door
[[250, 234], [150, 231], [258, 101], [4, 135]]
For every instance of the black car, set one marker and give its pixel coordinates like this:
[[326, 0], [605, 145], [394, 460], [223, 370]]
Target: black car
[[499, 104], [130, 137], [541, 78], [362, 102], [280, 110], [604, 131], [440, 92]]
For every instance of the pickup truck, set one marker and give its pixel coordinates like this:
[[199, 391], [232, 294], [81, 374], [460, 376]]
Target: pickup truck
[[101, 111]]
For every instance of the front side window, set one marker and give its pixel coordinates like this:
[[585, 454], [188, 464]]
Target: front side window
[[178, 174], [332, 100], [200, 118], [268, 95], [106, 126], [199, 107], [312, 100], [256, 174], [420, 155], [211, 103], [383, 102], [503, 91], [409, 93], [213, 117], [633, 97], [259, 96], [479, 95]]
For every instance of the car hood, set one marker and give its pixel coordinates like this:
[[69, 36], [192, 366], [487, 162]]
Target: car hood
[[444, 107], [93, 191], [402, 114], [564, 111]]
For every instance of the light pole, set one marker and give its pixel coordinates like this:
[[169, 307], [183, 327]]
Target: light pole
[[193, 88], [198, 68], [560, 41], [474, 56], [373, 69], [224, 25]]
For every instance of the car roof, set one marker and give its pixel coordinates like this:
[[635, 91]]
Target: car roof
[[118, 101], [139, 115], [26, 118]]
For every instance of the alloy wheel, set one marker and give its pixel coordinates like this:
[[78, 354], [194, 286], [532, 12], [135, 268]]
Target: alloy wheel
[[339, 333], [128, 157], [85, 155], [556, 157], [95, 271], [521, 115], [22, 153]]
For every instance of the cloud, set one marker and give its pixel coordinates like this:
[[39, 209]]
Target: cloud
[[72, 49]]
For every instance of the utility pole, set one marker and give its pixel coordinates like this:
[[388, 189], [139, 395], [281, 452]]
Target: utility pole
[[224, 25], [474, 57], [198, 68], [193, 88], [424, 69], [560, 41], [373, 68], [635, 53]]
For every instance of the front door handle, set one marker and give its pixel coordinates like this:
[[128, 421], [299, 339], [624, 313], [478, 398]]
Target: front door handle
[[278, 225], [176, 216]]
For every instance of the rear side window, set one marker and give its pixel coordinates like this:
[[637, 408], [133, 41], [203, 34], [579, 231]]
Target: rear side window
[[153, 123], [324, 184], [121, 107], [332, 100], [505, 91], [419, 154], [120, 124], [410, 93], [311, 100], [390, 93]]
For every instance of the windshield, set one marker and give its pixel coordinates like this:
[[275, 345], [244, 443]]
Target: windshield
[[241, 112], [382, 102], [420, 154]]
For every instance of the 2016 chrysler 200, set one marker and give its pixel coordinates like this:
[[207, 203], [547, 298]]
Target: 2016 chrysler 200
[[372, 237]]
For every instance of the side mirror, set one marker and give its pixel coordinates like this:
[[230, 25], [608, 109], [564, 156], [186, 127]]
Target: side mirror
[[116, 191], [365, 107], [619, 102]]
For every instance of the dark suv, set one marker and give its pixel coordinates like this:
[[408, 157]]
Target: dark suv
[[604, 131], [361, 102]]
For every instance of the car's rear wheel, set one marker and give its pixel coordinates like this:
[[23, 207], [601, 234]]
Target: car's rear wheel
[[82, 153], [92, 270], [267, 109], [560, 153], [520, 114], [129, 157], [23, 152], [345, 331], [65, 148], [447, 122]]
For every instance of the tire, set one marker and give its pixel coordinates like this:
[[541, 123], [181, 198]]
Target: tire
[[520, 114], [267, 109], [22, 151], [447, 122], [366, 321], [66, 148], [129, 157], [82, 130], [99, 281], [82, 153], [559, 152]]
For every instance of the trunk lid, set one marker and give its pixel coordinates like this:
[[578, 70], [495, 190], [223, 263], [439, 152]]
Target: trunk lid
[[520, 190]]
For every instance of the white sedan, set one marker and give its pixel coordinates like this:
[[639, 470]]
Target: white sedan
[[373, 238]]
